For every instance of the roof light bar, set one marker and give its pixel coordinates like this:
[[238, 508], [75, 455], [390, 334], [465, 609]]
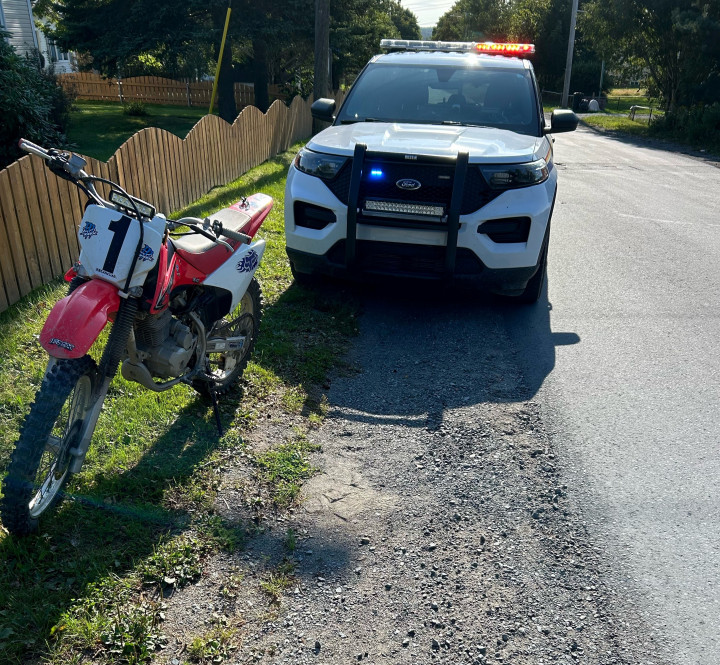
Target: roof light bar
[[490, 48], [493, 48], [417, 45]]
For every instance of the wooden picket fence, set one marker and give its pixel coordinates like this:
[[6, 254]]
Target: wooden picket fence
[[39, 212], [154, 90]]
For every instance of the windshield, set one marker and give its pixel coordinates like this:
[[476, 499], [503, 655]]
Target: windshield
[[501, 98]]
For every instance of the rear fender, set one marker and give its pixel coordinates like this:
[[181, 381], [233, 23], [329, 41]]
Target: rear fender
[[258, 206], [76, 321], [235, 274]]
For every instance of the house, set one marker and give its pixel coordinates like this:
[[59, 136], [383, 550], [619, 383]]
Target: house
[[16, 18]]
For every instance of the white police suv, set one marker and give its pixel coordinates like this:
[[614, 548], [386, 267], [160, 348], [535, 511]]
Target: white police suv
[[438, 165]]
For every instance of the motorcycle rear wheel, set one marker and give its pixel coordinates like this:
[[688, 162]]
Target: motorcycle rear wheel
[[41, 460], [224, 369]]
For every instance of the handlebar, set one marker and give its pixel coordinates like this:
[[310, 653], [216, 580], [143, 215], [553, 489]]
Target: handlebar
[[204, 227], [233, 235], [73, 165], [29, 146]]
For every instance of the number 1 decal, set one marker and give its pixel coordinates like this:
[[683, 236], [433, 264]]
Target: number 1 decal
[[119, 227]]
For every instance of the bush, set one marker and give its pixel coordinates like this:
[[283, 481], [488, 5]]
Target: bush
[[138, 109], [698, 125], [32, 104]]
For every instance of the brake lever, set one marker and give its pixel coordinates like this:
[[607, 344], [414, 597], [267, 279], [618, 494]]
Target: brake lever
[[210, 236]]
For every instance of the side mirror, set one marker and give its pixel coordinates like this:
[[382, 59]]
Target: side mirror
[[323, 109], [561, 120]]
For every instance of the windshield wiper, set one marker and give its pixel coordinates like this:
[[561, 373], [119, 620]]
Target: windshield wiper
[[351, 121], [457, 123]]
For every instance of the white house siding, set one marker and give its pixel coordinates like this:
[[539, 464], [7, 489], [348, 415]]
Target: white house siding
[[17, 18]]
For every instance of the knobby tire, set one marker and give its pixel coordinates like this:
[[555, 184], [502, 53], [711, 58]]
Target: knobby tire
[[20, 484]]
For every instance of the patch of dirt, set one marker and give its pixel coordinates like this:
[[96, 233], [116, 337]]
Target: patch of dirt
[[439, 528]]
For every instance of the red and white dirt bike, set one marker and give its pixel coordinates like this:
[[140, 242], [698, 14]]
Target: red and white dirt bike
[[184, 309]]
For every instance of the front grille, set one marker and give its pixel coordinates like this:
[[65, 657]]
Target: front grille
[[436, 179]]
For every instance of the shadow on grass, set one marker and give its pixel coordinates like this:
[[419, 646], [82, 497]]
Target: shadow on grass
[[96, 536], [305, 336], [121, 518]]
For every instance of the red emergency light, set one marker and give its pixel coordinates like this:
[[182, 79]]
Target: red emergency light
[[493, 48]]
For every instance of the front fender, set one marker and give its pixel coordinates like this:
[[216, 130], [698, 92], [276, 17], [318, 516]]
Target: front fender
[[76, 321]]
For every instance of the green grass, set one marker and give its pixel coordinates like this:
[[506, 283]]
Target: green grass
[[617, 123], [88, 585], [615, 117], [98, 129]]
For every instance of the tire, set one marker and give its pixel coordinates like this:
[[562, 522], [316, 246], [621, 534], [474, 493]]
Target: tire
[[226, 368], [304, 279], [534, 287], [40, 463]]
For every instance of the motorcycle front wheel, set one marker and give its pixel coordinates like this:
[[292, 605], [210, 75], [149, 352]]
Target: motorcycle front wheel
[[224, 369], [41, 460]]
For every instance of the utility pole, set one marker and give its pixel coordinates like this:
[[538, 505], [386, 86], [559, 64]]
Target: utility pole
[[571, 48], [321, 83]]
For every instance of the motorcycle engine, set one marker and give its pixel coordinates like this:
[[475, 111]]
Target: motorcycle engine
[[166, 343]]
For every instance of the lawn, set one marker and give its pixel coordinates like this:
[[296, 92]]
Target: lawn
[[140, 519], [98, 129]]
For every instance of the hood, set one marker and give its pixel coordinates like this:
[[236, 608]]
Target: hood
[[484, 144]]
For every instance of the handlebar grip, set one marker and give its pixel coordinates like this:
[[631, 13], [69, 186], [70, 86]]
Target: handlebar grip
[[234, 235], [29, 146]]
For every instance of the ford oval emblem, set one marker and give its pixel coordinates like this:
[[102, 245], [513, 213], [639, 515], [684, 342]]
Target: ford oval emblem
[[408, 184]]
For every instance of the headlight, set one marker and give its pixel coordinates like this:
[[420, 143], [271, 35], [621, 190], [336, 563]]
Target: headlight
[[510, 176], [318, 164]]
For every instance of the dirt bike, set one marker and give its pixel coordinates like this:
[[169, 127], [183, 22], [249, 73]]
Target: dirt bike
[[184, 309]]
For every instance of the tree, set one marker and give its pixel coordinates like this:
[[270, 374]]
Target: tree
[[677, 41], [475, 20], [404, 21], [116, 33], [356, 28], [32, 105]]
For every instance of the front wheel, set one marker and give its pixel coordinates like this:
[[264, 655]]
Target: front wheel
[[41, 460], [224, 369], [534, 287]]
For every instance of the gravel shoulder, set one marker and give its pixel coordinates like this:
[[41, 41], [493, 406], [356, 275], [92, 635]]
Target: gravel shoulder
[[438, 529]]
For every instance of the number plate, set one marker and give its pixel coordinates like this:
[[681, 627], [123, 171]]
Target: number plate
[[108, 241]]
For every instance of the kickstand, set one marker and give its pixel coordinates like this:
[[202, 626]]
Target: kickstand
[[216, 411]]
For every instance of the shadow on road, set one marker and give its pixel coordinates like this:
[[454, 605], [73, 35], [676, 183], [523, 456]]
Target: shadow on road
[[426, 349], [534, 341]]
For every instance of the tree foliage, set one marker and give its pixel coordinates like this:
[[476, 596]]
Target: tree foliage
[[475, 20], [356, 28], [271, 41], [32, 105], [677, 41]]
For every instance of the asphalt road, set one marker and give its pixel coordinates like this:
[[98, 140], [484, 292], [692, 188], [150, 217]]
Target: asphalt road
[[624, 360]]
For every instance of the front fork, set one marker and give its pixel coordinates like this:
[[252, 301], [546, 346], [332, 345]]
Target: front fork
[[107, 369]]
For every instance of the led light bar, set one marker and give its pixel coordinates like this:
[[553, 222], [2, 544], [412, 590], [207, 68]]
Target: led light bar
[[493, 48], [405, 208], [417, 45]]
